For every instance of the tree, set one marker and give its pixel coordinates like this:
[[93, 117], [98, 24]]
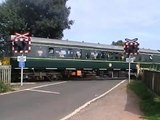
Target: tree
[[118, 43], [10, 22], [5, 46], [42, 18]]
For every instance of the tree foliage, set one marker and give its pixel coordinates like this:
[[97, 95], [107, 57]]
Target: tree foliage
[[42, 18], [118, 43]]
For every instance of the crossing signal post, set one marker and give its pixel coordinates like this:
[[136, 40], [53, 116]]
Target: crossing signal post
[[21, 44], [131, 47]]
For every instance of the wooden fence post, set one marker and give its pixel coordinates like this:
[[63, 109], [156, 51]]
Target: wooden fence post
[[153, 79]]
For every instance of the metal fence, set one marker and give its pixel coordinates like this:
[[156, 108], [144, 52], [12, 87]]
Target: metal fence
[[5, 73], [152, 80]]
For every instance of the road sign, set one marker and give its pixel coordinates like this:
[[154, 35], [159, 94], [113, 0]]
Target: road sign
[[21, 58], [21, 64], [130, 60]]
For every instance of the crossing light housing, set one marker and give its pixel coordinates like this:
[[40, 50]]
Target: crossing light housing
[[21, 43], [131, 47]]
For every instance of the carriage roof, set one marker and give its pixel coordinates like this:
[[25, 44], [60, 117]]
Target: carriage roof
[[38, 40]]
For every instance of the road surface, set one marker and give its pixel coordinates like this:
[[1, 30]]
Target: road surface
[[52, 101]]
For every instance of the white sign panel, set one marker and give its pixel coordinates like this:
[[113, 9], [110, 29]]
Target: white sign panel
[[21, 58], [130, 59]]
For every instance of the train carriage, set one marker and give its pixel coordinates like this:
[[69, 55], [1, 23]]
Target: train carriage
[[53, 59]]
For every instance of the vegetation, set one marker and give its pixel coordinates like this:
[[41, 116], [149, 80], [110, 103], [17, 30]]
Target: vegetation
[[149, 104], [5, 47], [118, 43], [42, 18], [5, 87]]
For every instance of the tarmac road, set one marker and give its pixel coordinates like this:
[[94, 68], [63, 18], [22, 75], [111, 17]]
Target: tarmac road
[[51, 101]]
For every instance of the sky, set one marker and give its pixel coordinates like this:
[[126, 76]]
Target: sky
[[104, 21]]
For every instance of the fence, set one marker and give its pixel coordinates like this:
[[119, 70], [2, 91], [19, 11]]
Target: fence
[[5, 73], [152, 80]]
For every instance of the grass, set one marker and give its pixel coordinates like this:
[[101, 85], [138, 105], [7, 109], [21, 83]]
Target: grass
[[149, 103], [5, 87]]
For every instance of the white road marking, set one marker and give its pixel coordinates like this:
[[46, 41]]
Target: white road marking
[[57, 83], [48, 85], [25, 83], [43, 91], [93, 100]]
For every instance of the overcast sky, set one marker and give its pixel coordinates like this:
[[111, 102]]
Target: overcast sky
[[104, 21]]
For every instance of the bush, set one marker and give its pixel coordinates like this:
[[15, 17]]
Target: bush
[[4, 87], [150, 103]]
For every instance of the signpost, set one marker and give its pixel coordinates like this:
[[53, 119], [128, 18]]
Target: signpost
[[130, 49], [22, 65], [129, 76], [21, 44]]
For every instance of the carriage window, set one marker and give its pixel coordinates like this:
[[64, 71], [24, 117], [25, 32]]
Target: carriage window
[[78, 54], [116, 56], [99, 55], [40, 52], [94, 54], [62, 53], [51, 50], [103, 56], [70, 51], [87, 55], [110, 56]]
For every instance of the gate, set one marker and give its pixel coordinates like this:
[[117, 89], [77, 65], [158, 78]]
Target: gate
[[5, 73]]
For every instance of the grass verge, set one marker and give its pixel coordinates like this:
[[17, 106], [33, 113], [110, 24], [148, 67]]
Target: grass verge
[[149, 103], [5, 87]]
